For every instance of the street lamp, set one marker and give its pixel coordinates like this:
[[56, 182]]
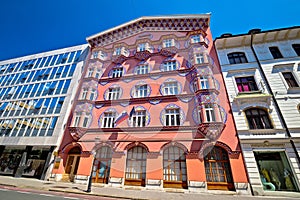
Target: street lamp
[[89, 187]]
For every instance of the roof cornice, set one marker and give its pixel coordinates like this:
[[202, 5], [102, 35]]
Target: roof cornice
[[152, 23]]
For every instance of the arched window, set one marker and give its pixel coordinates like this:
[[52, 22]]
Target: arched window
[[136, 166], [258, 119], [217, 169], [101, 169], [237, 57], [175, 174]]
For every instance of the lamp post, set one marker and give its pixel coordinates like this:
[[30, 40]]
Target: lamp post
[[89, 187]]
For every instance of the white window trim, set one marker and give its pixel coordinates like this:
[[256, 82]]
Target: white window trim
[[141, 91], [209, 113], [108, 120], [139, 117], [169, 66], [172, 113], [117, 72], [113, 93], [142, 68], [170, 88]]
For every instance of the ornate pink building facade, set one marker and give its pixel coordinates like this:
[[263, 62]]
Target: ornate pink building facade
[[152, 111]]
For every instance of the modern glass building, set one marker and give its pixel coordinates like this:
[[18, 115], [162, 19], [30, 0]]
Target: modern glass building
[[33, 90]]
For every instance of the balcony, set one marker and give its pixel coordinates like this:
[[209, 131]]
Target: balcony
[[211, 130]]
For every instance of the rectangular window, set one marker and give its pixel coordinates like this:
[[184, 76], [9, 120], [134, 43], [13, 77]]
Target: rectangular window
[[139, 119], [85, 121], [171, 88], [141, 91], [199, 58], [246, 84], [290, 79], [237, 57], [296, 48], [118, 72], [168, 43], [108, 120], [170, 66], [118, 51], [196, 38], [210, 113], [76, 121], [204, 82], [84, 93], [172, 117], [142, 69], [113, 93], [275, 52], [142, 47], [93, 94]]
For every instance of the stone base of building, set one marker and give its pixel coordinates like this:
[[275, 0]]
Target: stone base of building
[[242, 188], [81, 179], [115, 182], [153, 184], [197, 186]]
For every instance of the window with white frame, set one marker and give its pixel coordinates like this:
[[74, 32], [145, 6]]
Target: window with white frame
[[98, 73], [196, 38], [76, 120], [142, 47], [195, 84], [108, 120], [204, 84], [199, 58], [93, 95], [90, 72], [172, 117], [209, 113], [117, 72], [142, 69], [168, 43], [141, 91], [84, 93], [170, 88], [113, 93], [169, 66], [290, 79], [86, 120], [118, 51], [95, 54], [138, 119]]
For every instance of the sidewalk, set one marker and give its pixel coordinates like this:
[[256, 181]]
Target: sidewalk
[[126, 192]]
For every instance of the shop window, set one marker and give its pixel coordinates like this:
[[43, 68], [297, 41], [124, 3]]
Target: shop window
[[217, 169], [275, 52], [275, 171], [237, 57], [101, 169], [296, 48], [290, 79], [174, 167], [135, 173], [246, 84], [258, 119]]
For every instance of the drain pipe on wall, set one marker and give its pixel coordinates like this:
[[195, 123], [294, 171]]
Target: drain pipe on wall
[[252, 32]]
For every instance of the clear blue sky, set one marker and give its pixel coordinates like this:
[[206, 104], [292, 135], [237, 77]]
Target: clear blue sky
[[34, 26]]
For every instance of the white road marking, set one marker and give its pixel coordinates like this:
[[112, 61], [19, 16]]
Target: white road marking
[[47, 195], [70, 198], [23, 192], [3, 189]]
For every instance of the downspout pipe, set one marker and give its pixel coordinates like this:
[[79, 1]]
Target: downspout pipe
[[254, 31]]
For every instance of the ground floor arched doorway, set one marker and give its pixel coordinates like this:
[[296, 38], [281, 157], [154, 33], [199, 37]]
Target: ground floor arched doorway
[[217, 169], [72, 164]]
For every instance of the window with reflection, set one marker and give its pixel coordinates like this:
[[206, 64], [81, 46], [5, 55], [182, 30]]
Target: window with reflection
[[258, 119], [237, 57]]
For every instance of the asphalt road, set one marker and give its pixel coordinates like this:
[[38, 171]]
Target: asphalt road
[[10, 193]]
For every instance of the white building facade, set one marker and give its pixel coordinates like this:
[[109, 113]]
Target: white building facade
[[261, 73], [35, 96]]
